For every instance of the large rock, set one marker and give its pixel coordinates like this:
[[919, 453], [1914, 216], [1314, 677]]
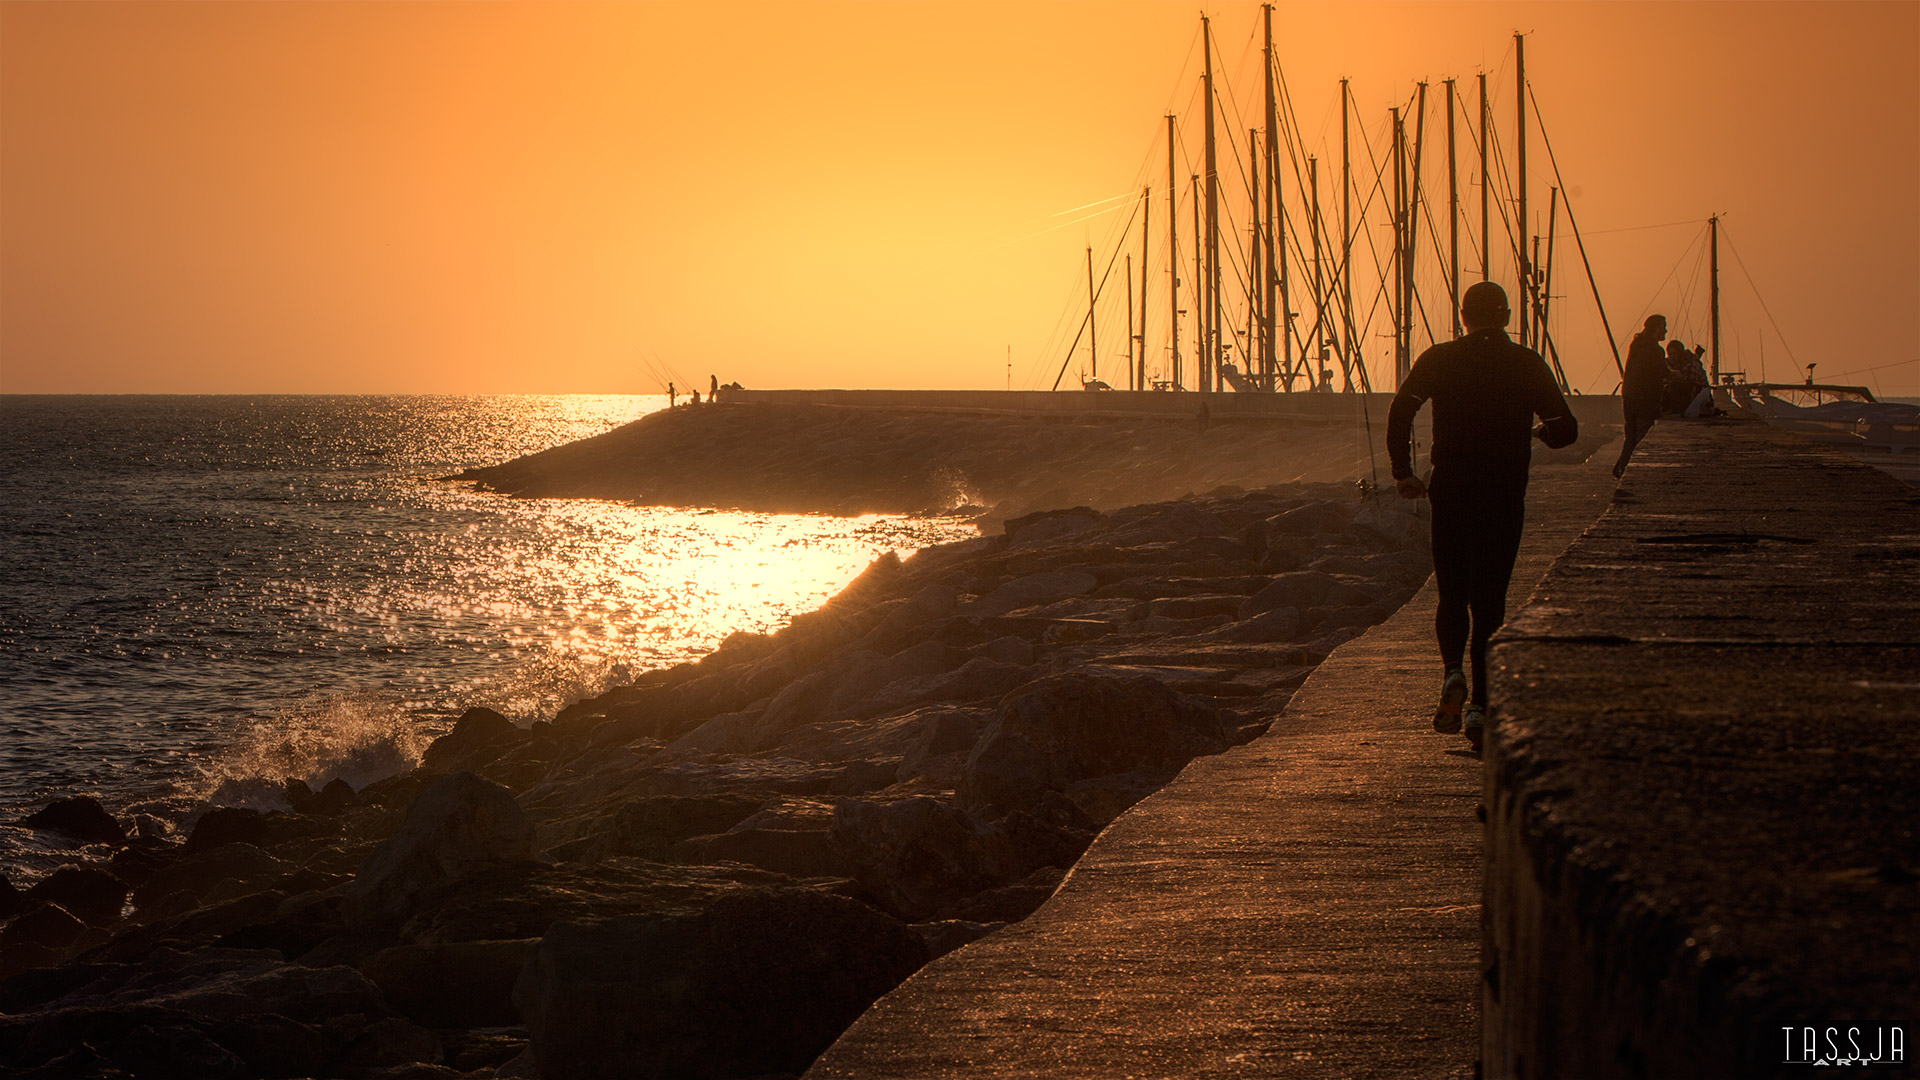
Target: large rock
[[1063, 731], [226, 871], [456, 827], [466, 984], [760, 982], [919, 855], [81, 818], [227, 825], [478, 737], [87, 892]]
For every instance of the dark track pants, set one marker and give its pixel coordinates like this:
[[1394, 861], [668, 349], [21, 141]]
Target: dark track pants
[[1636, 423], [1476, 537]]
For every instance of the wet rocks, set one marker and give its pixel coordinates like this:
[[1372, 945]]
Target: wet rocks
[[722, 863], [80, 817], [460, 825], [1061, 733], [88, 893], [760, 982]]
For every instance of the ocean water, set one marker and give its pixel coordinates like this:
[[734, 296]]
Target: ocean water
[[200, 596]]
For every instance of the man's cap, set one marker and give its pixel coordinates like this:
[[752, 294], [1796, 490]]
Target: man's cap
[[1484, 302], [1651, 319]]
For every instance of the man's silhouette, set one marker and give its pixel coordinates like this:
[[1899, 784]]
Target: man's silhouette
[[1486, 389], [1642, 387]]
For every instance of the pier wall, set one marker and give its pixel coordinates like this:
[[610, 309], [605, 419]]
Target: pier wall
[[1304, 407], [1701, 853]]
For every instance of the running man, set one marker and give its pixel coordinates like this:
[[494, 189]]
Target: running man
[[1486, 390]]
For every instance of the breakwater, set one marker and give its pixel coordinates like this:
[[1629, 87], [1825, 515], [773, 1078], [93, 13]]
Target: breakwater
[[717, 868], [986, 454], [1699, 788]]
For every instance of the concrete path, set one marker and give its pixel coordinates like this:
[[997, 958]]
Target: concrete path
[[1305, 905]]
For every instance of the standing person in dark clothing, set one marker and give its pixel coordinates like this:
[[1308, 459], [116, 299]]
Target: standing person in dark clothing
[[1643, 387], [1486, 390]]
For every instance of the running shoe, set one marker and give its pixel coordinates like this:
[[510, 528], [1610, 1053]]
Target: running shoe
[[1453, 694], [1474, 723]]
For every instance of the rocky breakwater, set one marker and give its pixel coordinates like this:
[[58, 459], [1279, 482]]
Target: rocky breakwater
[[712, 872], [780, 458]]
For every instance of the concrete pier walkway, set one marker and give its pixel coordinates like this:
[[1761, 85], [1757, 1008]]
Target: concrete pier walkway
[[1305, 905]]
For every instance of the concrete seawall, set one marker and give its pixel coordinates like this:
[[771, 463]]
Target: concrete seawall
[[1701, 783]]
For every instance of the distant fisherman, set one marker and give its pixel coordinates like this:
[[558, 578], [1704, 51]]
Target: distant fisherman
[[1486, 390], [1642, 387]]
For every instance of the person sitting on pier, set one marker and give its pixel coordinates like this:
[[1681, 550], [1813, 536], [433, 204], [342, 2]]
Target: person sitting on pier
[[1486, 389], [1688, 391], [1642, 387]]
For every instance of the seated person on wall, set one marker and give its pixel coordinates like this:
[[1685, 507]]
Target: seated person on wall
[[1688, 392]]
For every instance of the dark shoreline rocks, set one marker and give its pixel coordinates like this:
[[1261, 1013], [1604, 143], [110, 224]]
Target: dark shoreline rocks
[[727, 860]]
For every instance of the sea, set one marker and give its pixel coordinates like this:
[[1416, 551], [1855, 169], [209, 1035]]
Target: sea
[[203, 596]]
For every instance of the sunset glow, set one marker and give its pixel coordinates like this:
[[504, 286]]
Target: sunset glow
[[528, 197]]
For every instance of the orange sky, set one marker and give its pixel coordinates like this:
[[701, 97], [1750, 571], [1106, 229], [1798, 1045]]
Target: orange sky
[[527, 197]]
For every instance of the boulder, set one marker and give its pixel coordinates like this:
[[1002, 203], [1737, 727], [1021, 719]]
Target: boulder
[[81, 817], [1066, 729], [478, 737], [465, 984], [460, 825], [86, 892], [1041, 588], [760, 982], [227, 825], [185, 884], [917, 856], [800, 853], [650, 826], [1298, 589], [10, 898], [37, 938]]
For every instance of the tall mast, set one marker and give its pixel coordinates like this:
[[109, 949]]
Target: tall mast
[[1130, 333], [1093, 340], [1269, 279], [1146, 221], [1520, 84], [1413, 209], [1210, 360], [1173, 260], [1199, 295], [1453, 219], [1713, 291], [1399, 249], [1319, 280], [1349, 356], [1486, 253], [1254, 321], [1546, 288]]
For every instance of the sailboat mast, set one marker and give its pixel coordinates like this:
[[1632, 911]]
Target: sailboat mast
[[1130, 334], [1146, 221], [1520, 180], [1399, 248], [1713, 291], [1319, 279], [1453, 219], [1413, 208], [1350, 356], [1268, 280], [1173, 259], [1093, 340], [1210, 359], [1199, 295], [1486, 252], [1256, 362]]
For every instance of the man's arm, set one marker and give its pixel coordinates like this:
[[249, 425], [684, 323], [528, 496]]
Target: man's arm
[[1414, 393], [1557, 428]]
